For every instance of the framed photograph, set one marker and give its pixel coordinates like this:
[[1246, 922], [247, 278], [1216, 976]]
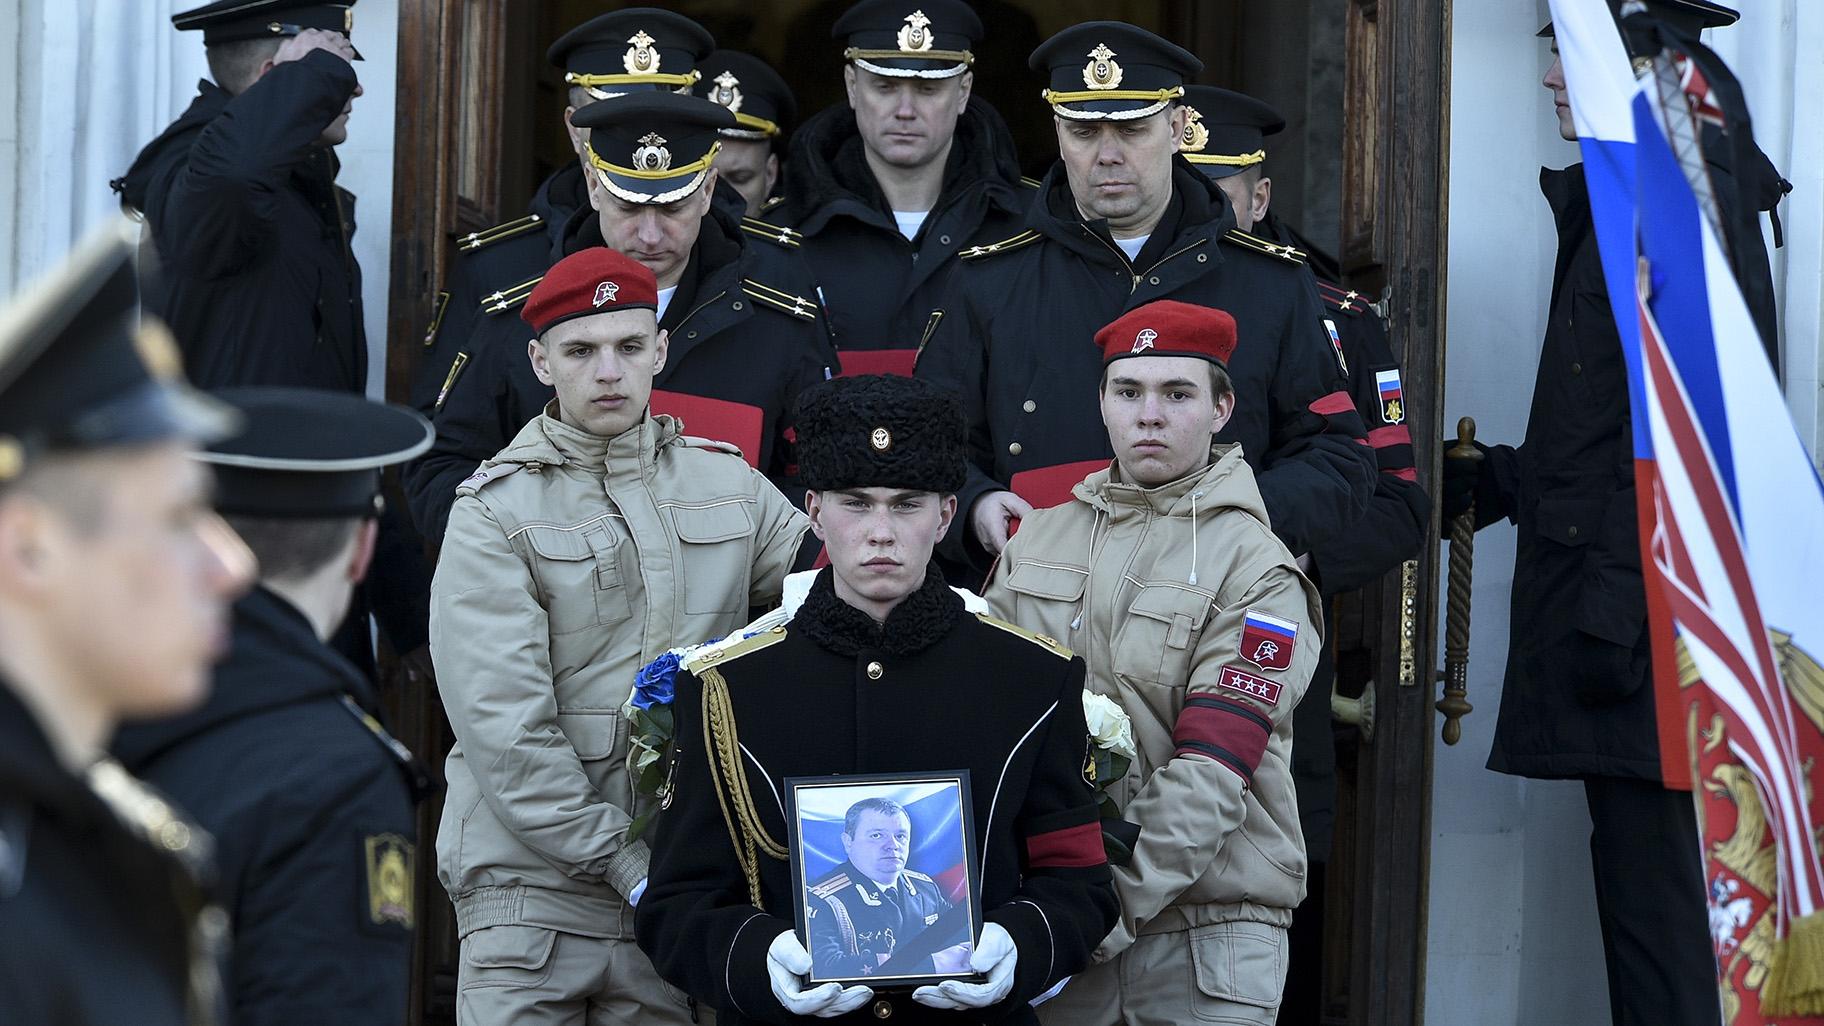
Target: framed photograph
[[885, 870]]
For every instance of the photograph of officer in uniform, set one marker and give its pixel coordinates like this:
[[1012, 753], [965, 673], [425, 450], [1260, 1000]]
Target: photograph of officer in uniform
[[868, 909]]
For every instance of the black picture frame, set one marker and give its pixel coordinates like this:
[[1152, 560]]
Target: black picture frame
[[843, 922]]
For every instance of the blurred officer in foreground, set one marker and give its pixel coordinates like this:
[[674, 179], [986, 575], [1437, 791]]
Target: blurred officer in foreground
[[308, 797], [746, 336], [115, 580], [255, 275], [858, 682], [595, 541], [1163, 572], [764, 110], [1225, 135], [1578, 700], [1121, 221], [885, 190], [600, 60]]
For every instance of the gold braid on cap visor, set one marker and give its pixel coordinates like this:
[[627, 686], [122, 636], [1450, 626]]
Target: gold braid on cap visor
[[592, 84], [1238, 160], [752, 127], [696, 169], [961, 61], [1158, 99]]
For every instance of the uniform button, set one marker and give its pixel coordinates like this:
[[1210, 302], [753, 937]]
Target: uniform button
[[690, 334], [883, 1009], [174, 836], [1203, 258], [737, 304], [1015, 448], [876, 671], [943, 240], [1154, 280], [1030, 406], [1576, 368], [1571, 532]]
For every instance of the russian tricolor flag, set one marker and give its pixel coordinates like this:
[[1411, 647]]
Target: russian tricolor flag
[[1732, 523]]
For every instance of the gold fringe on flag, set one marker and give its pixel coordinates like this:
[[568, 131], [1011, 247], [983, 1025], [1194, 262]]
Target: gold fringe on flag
[[1795, 970]]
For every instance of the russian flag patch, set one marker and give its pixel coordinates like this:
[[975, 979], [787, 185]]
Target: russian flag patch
[[1267, 641], [1393, 404]]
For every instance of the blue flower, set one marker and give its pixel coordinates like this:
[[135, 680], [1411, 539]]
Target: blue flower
[[656, 682]]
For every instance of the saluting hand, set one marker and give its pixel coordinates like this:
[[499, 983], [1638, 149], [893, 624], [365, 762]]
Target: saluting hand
[[314, 39], [992, 519], [787, 964]]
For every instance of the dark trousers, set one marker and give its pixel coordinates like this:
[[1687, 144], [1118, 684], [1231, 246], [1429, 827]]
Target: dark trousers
[[1650, 898]]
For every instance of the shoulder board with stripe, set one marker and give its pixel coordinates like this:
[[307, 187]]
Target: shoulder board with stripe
[[728, 650], [776, 233], [1290, 254], [1345, 300], [831, 886], [1030, 183], [797, 306], [509, 297], [916, 875], [1047, 643], [487, 474], [771, 203], [499, 233], [1013, 242]]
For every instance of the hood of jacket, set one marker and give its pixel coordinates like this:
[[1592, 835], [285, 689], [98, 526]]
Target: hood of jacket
[[1225, 484], [830, 173], [274, 660]]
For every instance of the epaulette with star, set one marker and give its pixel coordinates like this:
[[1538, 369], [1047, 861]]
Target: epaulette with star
[[1007, 245], [798, 306], [1246, 240], [729, 649], [777, 234], [499, 233], [510, 297], [1045, 642], [1343, 300]]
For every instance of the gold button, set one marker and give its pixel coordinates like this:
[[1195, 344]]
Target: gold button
[[1576, 368], [175, 836], [875, 671], [883, 1009], [1015, 449], [1030, 406]]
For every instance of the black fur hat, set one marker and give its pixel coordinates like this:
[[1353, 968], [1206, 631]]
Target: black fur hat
[[880, 431]]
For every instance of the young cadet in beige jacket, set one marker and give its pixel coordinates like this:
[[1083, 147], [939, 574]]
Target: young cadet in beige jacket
[[1163, 573], [588, 547]]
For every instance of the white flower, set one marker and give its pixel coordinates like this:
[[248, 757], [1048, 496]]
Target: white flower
[[1108, 724]]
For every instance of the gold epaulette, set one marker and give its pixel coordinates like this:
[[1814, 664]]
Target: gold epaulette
[[1030, 183], [1049, 644], [717, 654], [1025, 238], [772, 232], [831, 886], [499, 233], [916, 875], [509, 297], [797, 306], [1290, 254]]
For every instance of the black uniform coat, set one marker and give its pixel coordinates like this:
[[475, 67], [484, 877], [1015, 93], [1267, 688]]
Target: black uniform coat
[[487, 261], [255, 275], [1008, 709], [744, 330], [1017, 343], [857, 926], [1576, 701], [96, 919], [312, 815], [883, 293]]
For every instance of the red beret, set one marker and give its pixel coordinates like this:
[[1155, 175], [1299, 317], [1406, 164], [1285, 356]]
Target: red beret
[[1167, 327], [590, 281]]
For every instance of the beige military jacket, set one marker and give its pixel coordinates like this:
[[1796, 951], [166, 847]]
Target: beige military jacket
[[570, 562], [1192, 616]]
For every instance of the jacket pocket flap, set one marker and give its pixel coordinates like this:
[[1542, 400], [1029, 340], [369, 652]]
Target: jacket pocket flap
[[1045, 581], [592, 734], [510, 947], [1241, 962], [557, 543], [1168, 602], [709, 524], [1573, 522]]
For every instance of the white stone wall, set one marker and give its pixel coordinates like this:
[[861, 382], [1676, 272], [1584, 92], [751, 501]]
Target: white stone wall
[[88, 82]]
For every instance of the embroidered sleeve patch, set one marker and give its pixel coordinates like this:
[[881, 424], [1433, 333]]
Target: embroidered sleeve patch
[[1387, 385], [1267, 640], [1259, 689], [388, 862]]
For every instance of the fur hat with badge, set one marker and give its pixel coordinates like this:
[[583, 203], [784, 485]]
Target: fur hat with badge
[[880, 431]]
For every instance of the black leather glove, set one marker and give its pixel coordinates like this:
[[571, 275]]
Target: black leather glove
[[1461, 479]]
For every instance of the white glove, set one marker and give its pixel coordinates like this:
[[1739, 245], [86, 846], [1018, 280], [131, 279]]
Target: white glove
[[638, 892], [994, 955], [787, 964]]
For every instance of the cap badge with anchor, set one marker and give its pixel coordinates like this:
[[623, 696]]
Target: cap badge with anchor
[[1196, 136], [1102, 72], [915, 36], [641, 58], [727, 92], [651, 155]]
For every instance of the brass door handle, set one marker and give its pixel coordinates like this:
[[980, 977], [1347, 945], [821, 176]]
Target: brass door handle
[[1357, 712], [1455, 675]]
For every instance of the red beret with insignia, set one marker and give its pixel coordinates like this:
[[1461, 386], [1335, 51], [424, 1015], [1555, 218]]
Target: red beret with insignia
[[1169, 328], [590, 281]]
